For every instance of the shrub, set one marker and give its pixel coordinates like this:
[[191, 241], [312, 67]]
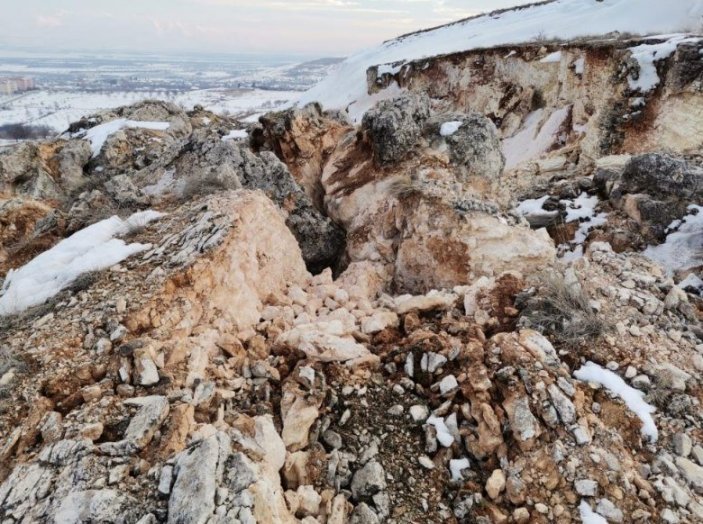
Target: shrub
[[561, 309], [206, 185]]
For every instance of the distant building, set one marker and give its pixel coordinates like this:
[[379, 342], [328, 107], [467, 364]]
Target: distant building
[[9, 86]]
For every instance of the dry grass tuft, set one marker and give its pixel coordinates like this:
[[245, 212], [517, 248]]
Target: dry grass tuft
[[562, 310]]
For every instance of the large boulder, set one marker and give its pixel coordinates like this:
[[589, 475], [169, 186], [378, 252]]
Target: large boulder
[[426, 218], [395, 126], [653, 189], [213, 165], [442, 245], [473, 144], [43, 170], [131, 138]]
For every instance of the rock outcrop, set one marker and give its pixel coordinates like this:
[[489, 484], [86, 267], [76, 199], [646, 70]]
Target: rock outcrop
[[654, 190], [326, 323]]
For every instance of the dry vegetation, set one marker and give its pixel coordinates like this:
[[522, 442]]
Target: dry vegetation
[[562, 310]]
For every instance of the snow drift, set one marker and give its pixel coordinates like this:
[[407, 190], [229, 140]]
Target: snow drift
[[90, 249]]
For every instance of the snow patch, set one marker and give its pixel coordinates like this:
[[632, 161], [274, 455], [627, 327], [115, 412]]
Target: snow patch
[[98, 135], [534, 207], [684, 244], [692, 282], [579, 66], [236, 134], [90, 249], [551, 58], [358, 108], [534, 138], [647, 55], [449, 128], [583, 209], [591, 372], [389, 69]]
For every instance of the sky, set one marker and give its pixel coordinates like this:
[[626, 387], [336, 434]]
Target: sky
[[304, 27]]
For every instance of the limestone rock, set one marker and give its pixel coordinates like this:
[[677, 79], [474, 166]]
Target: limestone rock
[[298, 417], [368, 481], [474, 147], [395, 126], [197, 472], [327, 342], [151, 413], [495, 484]]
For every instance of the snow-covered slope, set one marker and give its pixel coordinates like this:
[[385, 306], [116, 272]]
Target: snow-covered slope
[[560, 19]]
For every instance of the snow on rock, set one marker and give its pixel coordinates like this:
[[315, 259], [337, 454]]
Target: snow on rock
[[588, 516], [647, 55], [551, 58], [91, 249], [236, 134], [536, 137], [692, 282], [98, 135], [562, 19], [682, 248], [449, 128], [591, 372], [533, 207], [581, 209]]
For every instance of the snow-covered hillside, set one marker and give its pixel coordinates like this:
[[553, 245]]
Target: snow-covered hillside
[[346, 87], [57, 109]]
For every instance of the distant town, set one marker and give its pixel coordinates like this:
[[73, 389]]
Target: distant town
[[10, 86]]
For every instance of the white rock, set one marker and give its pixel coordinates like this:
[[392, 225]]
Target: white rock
[[448, 384], [379, 321], [432, 361], [419, 412], [457, 467], [327, 342], [586, 487], [425, 462], [309, 501], [432, 300], [148, 373]]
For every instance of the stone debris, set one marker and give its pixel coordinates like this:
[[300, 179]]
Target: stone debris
[[334, 324]]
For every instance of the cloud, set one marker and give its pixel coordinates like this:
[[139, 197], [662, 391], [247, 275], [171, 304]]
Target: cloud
[[297, 26], [302, 6], [47, 21]]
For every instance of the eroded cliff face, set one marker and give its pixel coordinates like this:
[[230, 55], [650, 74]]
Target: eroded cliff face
[[577, 102], [336, 323]]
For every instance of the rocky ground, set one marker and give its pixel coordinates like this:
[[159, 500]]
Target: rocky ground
[[333, 324]]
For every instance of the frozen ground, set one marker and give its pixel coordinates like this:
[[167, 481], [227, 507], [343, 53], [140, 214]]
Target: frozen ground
[[57, 109]]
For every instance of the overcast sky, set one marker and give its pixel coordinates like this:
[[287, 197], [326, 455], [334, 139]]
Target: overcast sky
[[312, 27]]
